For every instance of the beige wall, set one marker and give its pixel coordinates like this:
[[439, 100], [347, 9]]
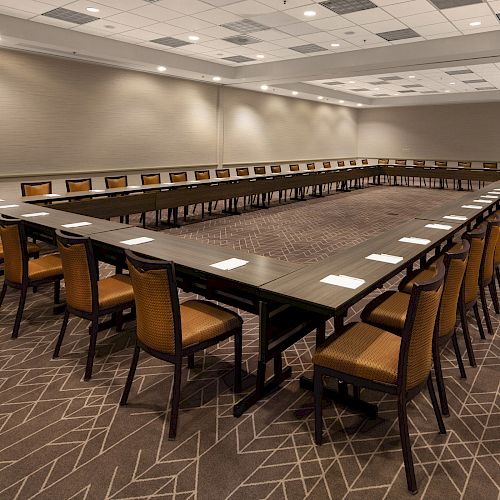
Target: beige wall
[[452, 132], [267, 127], [58, 115]]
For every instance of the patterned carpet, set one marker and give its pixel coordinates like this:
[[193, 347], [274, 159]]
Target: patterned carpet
[[61, 437]]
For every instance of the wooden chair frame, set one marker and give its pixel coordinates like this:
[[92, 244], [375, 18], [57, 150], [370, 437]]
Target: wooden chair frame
[[144, 265], [25, 184]]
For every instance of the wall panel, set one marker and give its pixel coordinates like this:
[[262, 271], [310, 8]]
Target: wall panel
[[452, 132], [60, 115], [266, 127]]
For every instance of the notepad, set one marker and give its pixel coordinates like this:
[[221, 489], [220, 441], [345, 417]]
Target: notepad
[[97, 190], [77, 224], [137, 241], [2, 200], [167, 183], [133, 187], [481, 201], [415, 241], [455, 217], [471, 206], [227, 265], [383, 257], [8, 206], [343, 281], [492, 192], [35, 214], [51, 195], [438, 226], [488, 196]]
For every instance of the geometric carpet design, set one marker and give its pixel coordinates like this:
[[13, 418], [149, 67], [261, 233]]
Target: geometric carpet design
[[63, 438]]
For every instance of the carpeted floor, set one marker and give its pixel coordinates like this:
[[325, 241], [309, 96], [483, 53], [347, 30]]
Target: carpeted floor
[[61, 437]]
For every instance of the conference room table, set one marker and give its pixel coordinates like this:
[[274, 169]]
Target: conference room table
[[290, 299]]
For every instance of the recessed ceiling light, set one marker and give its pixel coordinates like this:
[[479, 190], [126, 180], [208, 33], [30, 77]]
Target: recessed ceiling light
[[341, 101], [310, 13], [161, 69], [352, 81], [260, 56], [264, 87], [193, 38], [359, 105], [411, 76], [452, 83], [447, 90], [475, 23], [216, 78], [92, 9], [335, 45], [320, 97], [295, 92]]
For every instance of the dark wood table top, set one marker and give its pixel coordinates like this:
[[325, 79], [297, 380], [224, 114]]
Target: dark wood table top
[[200, 256], [305, 286], [80, 225]]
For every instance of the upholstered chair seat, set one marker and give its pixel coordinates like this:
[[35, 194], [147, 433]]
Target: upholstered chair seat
[[47, 266], [389, 309], [363, 351], [114, 291]]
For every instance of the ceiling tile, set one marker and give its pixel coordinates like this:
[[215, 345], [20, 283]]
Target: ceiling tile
[[184, 6], [274, 20], [299, 29], [348, 6], [368, 16], [130, 19], [409, 8], [27, 6], [217, 16], [332, 23], [268, 35], [82, 5], [385, 26], [164, 29], [156, 13], [248, 8], [425, 19], [477, 10]]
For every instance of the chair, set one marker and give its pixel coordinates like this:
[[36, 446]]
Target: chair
[[33, 251], [388, 311], [148, 180], [36, 188], [171, 331], [353, 163], [370, 357], [341, 163], [243, 172], [224, 173], [469, 294], [312, 166], [464, 164], [203, 175], [364, 161], [116, 182], [420, 163], [327, 164], [298, 192], [77, 185], [22, 273], [343, 184], [402, 163], [487, 269], [489, 165], [442, 182], [174, 178], [87, 296], [276, 169]]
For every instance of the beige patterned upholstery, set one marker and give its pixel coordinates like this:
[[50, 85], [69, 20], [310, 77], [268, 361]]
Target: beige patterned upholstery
[[202, 175], [116, 182], [242, 171], [36, 189], [363, 351], [490, 164], [311, 166], [390, 312], [294, 167], [73, 186], [400, 162], [440, 163], [419, 163], [353, 163], [222, 173], [464, 164], [178, 177], [32, 249], [276, 169], [48, 266], [383, 161], [114, 291], [200, 320], [491, 244], [341, 163], [364, 161], [327, 164], [148, 179], [259, 170]]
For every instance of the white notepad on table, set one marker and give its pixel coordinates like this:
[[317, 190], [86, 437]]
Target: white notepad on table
[[383, 257], [481, 201], [493, 193], [8, 206], [137, 241], [35, 214], [490, 196], [52, 195], [415, 241], [97, 190], [77, 224], [455, 217], [228, 264], [343, 281], [471, 206], [438, 226]]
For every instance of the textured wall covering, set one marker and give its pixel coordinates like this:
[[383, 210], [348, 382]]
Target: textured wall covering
[[266, 127], [62, 115], [453, 132]]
